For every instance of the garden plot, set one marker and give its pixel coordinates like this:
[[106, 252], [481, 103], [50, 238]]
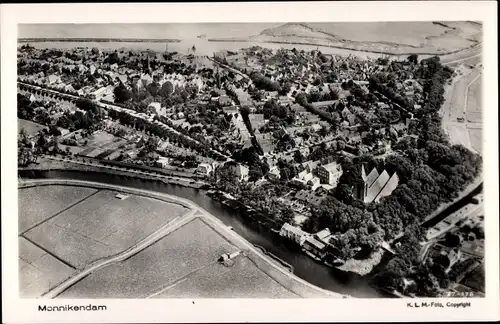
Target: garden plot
[[38, 270], [30, 127], [102, 226], [242, 280], [100, 138], [39, 203], [191, 247]]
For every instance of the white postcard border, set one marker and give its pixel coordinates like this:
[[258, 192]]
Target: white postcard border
[[17, 310]]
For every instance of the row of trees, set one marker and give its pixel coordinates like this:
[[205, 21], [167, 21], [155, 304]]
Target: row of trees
[[432, 172], [173, 136]]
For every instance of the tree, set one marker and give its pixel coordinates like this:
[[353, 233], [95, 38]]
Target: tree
[[122, 94], [413, 58], [298, 157], [314, 95], [153, 88], [167, 89]]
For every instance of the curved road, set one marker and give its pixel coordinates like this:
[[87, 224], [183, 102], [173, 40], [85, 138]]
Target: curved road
[[151, 239], [119, 109], [168, 177], [195, 211]]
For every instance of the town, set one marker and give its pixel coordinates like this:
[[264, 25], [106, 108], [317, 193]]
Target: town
[[344, 156]]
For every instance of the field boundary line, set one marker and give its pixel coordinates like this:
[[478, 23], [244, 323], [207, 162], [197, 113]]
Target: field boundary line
[[189, 205], [183, 278], [48, 252], [60, 212], [121, 256]]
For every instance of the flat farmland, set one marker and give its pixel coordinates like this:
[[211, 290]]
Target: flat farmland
[[476, 279], [30, 127], [476, 139], [36, 204], [474, 102], [38, 270], [242, 280], [192, 247], [460, 98], [102, 225]]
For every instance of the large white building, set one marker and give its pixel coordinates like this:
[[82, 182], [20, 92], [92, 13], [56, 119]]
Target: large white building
[[329, 173], [293, 233]]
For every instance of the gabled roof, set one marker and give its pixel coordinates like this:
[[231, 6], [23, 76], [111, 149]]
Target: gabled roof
[[317, 244], [377, 186], [370, 179], [389, 187], [292, 229]]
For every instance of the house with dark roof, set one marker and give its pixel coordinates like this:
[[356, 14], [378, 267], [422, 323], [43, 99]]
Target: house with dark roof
[[314, 247], [309, 197]]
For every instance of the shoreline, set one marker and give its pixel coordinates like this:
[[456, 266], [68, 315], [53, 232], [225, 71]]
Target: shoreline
[[267, 265], [347, 48], [98, 40], [50, 165]]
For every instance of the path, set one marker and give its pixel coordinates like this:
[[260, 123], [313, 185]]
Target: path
[[221, 227], [136, 248], [455, 106], [434, 238], [120, 109], [151, 174]]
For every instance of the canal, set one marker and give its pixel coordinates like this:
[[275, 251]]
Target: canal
[[304, 267]]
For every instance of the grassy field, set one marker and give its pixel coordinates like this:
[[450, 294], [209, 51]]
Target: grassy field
[[476, 139], [183, 261], [476, 279], [100, 139], [39, 203], [102, 225], [458, 100], [30, 127], [242, 280], [474, 102], [38, 270], [191, 247]]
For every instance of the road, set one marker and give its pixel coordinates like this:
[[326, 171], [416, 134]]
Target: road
[[194, 211], [120, 109], [463, 56], [434, 238], [232, 69], [151, 174], [151, 239], [455, 106]]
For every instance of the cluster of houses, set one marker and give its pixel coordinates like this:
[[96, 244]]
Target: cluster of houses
[[315, 175], [315, 245]]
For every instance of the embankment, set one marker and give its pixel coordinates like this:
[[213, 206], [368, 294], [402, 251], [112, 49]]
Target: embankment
[[51, 165]]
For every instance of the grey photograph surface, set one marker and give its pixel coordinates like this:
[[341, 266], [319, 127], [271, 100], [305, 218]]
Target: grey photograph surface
[[250, 160]]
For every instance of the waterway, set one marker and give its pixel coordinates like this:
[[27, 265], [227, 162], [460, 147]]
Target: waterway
[[203, 47], [304, 267]]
